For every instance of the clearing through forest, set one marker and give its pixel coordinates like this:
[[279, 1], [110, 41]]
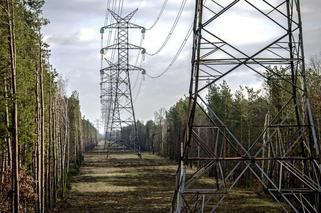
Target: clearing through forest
[[126, 183]]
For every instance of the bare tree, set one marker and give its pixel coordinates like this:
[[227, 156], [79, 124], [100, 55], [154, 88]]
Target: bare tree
[[315, 63]]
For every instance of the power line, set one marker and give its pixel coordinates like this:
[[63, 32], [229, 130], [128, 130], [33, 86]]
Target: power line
[[159, 15], [109, 38], [172, 29], [139, 89], [136, 80], [110, 5], [138, 73], [176, 55], [139, 64], [115, 31], [107, 14], [120, 7], [139, 52], [140, 4]]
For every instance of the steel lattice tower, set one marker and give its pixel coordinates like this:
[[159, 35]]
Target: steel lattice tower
[[285, 156], [116, 92]]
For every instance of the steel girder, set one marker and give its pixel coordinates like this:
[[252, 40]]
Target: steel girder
[[289, 170]]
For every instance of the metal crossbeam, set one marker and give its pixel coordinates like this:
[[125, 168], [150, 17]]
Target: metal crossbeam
[[289, 170]]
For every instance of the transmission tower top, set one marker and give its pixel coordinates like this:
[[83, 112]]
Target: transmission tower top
[[122, 20]]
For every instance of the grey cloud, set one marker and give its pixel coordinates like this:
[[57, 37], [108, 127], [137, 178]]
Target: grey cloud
[[79, 62]]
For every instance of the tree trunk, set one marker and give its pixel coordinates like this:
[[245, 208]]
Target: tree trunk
[[42, 126], [38, 146], [49, 182], [15, 142], [7, 119], [2, 164], [54, 166]]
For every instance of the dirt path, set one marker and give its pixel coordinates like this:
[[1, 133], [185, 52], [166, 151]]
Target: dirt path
[[124, 183]]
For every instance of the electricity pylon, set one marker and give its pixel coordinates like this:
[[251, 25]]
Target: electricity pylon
[[285, 156], [116, 92]]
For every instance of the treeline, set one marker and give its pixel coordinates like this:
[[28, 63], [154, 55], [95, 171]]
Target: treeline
[[245, 111], [42, 132]]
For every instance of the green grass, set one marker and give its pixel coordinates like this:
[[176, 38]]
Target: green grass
[[125, 183]]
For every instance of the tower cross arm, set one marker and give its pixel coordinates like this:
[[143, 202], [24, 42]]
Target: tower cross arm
[[111, 26], [116, 25], [132, 67], [133, 46], [119, 20], [116, 46], [135, 26]]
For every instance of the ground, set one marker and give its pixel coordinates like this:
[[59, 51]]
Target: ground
[[126, 183]]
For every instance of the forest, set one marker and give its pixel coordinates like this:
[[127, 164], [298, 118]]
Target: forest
[[42, 131], [244, 110]]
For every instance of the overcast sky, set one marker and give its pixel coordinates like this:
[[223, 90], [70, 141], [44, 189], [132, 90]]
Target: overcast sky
[[74, 37]]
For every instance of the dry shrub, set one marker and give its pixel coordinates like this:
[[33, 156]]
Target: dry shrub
[[27, 194]]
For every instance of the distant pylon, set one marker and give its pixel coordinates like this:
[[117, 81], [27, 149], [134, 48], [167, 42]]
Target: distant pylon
[[285, 155], [116, 92]]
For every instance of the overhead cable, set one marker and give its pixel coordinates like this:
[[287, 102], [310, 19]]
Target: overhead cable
[[140, 4], [120, 7], [176, 55], [171, 31], [138, 74], [139, 89], [159, 15]]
